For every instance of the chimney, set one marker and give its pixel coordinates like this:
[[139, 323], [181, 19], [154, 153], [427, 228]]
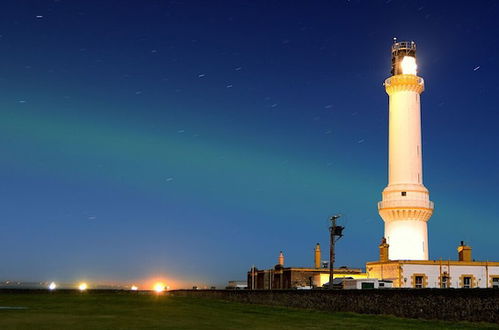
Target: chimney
[[383, 250], [464, 252], [280, 261], [317, 256]]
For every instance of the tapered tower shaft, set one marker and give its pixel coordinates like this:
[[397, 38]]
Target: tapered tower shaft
[[405, 207]]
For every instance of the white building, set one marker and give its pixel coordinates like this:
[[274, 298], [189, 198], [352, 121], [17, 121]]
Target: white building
[[461, 273], [406, 207]]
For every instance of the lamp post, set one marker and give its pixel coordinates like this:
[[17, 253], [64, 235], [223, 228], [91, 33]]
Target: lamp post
[[335, 233]]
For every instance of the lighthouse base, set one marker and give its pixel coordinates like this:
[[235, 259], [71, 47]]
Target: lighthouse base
[[408, 239]]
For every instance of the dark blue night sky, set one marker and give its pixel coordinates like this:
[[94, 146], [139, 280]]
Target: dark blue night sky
[[189, 140]]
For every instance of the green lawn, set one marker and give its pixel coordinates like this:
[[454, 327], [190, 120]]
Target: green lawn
[[133, 311]]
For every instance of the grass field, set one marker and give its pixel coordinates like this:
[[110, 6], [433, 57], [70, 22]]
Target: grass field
[[92, 310]]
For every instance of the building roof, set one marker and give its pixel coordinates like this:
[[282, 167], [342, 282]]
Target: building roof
[[435, 262], [313, 270]]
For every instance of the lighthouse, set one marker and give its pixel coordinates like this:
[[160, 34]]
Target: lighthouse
[[405, 207]]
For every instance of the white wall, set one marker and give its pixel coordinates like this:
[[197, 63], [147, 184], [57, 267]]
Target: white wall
[[481, 273]]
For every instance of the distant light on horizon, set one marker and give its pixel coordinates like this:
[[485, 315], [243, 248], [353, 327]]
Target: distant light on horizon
[[159, 287], [82, 286], [134, 288], [52, 286]]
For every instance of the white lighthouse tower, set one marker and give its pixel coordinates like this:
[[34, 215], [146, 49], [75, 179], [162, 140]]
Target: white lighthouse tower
[[406, 206]]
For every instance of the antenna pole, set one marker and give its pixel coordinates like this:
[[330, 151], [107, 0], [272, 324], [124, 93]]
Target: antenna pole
[[334, 231]]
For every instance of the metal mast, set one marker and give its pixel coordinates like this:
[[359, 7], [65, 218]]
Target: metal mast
[[335, 233]]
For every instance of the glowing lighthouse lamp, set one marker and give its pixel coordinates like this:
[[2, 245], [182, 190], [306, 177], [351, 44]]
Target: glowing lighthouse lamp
[[409, 65], [405, 206]]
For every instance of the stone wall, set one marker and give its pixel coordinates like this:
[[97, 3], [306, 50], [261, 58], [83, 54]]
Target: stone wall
[[445, 304]]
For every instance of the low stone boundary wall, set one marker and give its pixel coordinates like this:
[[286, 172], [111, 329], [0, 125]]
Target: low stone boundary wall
[[445, 304]]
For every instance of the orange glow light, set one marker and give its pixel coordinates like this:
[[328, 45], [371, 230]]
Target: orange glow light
[[159, 287]]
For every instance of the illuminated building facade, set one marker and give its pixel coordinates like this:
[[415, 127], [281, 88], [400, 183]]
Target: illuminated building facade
[[461, 273]]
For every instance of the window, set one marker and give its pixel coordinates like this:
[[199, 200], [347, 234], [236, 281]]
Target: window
[[445, 281], [418, 282], [467, 281], [403, 193], [495, 282]]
